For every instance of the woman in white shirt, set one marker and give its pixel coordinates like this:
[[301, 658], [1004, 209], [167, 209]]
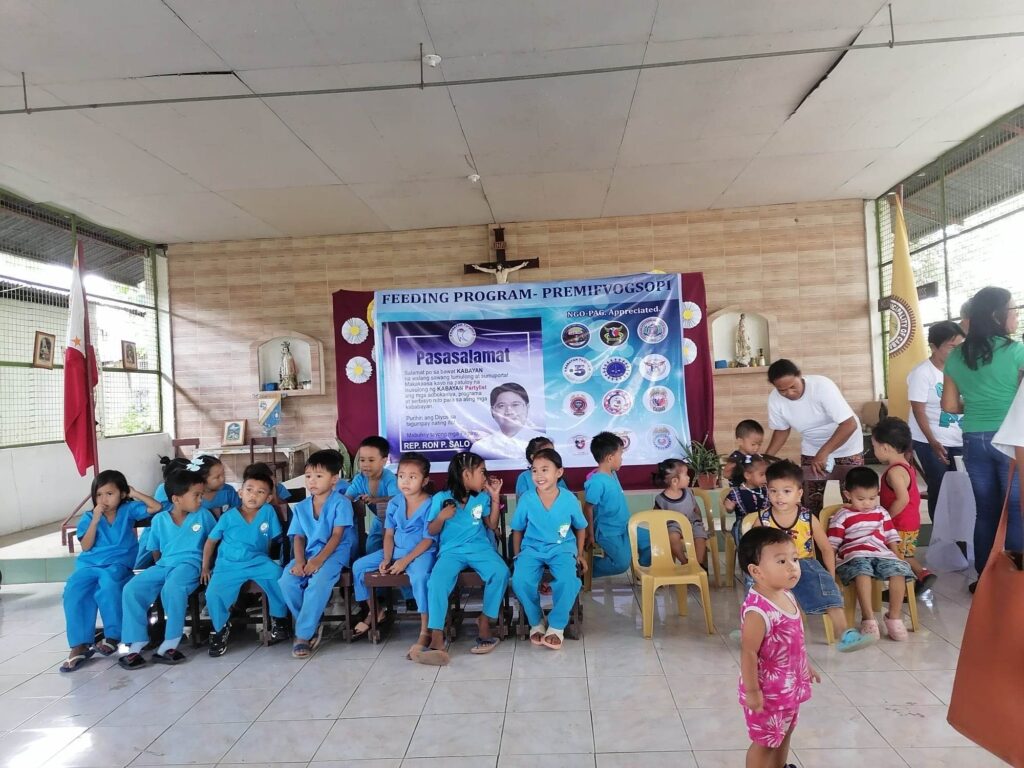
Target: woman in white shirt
[[829, 430], [937, 434]]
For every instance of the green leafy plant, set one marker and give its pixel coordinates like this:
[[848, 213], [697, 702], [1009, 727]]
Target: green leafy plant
[[702, 459]]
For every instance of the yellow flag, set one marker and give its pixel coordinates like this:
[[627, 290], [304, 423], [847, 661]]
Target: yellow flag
[[907, 345]]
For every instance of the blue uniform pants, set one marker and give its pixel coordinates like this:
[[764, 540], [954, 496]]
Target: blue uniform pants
[[90, 589], [144, 558], [418, 573], [529, 567], [375, 535], [225, 583], [485, 561], [617, 556], [308, 596], [173, 585]]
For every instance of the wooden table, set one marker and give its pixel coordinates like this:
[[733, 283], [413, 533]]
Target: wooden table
[[291, 452]]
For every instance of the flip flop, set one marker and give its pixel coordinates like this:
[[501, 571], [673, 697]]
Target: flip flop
[[556, 633], [432, 658], [484, 645], [301, 650], [131, 661], [170, 657], [105, 648], [537, 634], [360, 630], [74, 662], [314, 643]]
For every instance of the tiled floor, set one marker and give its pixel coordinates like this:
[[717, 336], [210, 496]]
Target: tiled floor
[[612, 700]]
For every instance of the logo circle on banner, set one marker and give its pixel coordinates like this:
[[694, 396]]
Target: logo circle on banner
[[662, 437], [575, 336], [578, 404], [462, 335], [617, 402], [579, 443], [614, 333], [654, 367], [902, 325], [616, 369], [577, 370], [659, 399], [628, 438], [691, 315], [689, 351], [652, 330]]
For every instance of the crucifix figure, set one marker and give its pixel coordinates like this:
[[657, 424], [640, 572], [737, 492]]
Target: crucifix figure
[[500, 268]]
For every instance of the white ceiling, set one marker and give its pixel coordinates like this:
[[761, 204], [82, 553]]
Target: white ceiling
[[679, 138]]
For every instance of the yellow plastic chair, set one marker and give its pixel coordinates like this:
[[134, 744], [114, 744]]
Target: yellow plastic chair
[[850, 591], [710, 503], [664, 570]]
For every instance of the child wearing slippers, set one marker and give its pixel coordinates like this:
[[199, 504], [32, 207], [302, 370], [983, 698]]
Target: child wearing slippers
[[548, 529], [462, 517], [109, 546], [176, 539]]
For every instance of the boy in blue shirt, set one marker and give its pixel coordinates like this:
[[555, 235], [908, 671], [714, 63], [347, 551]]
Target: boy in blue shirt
[[374, 484], [606, 509], [323, 540]]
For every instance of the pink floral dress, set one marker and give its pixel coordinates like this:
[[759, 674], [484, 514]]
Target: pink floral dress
[[782, 671]]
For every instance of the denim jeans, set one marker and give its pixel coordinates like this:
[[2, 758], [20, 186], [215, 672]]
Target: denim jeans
[[989, 468], [934, 470]]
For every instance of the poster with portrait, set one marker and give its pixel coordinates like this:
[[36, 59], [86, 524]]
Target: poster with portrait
[[487, 368]]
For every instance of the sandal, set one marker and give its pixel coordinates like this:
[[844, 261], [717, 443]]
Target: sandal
[[106, 647], [301, 650], [537, 634], [171, 657], [72, 663], [553, 634], [484, 645], [131, 661], [432, 658], [314, 643]]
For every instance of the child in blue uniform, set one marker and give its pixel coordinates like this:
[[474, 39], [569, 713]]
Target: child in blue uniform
[[462, 515], [524, 482], [176, 539], [606, 510], [543, 535], [323, 539], [241, 541], [279, 496], [373, 485], [408, 548], [108, 540]]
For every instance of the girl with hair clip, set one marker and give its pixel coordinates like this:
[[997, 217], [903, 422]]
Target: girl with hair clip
[[749, 491], [674, 476]]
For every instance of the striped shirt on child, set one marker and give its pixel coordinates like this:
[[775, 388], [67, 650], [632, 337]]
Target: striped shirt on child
[[853, 533]]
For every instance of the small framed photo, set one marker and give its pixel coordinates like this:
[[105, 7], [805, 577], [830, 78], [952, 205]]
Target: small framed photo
[[43, 350], [234, 433], [129, 356]]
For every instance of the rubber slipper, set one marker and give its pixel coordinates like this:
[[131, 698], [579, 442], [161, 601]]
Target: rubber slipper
[[537, 634], [432, 658], [360, 630], [484, 645], [74, 662], [415, 650], [301, 651], [546, 641], [170, 657], [105, 648], [318, 638], [131, 661]]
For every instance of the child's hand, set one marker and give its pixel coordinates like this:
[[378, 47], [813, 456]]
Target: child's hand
[[399, 567], [298, 569], [815, 677], [494, 485], [447, 510], [132, 493], [383, 567], [755, 700], [730, 505], [204, 576], [582, 561], [312, 566], [365, 498], [588, 540]]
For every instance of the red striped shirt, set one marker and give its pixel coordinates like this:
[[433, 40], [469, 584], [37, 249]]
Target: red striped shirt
[[853, 533]]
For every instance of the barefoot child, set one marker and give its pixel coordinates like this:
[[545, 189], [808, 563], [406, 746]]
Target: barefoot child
[[374, 485], [775, 675], [542, 535], [674, 476], [109, 545]]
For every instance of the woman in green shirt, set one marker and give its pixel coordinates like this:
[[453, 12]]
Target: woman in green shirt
[[980, 380]]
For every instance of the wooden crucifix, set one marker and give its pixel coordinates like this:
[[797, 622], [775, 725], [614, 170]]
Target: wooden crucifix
[[500, 268]]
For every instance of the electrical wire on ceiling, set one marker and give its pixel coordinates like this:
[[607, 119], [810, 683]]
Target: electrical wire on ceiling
[[842, 49]]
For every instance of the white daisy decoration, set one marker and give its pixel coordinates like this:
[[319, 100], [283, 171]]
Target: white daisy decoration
[[373, 353], [355, 330], [689, 351], [691, 315], [359, 370]]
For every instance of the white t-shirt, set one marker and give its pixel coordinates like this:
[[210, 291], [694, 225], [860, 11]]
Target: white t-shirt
[[1011, 434], [924, 385], [815, 416]]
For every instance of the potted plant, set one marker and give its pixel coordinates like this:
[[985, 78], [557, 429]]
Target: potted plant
[[706, 464]]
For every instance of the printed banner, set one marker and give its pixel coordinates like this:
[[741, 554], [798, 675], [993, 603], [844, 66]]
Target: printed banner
[[487, 368]]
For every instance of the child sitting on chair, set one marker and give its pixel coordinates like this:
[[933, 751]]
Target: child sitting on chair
[[607, 512], [323, 540], [868, 547], [375, 484], [241, 540], [542, 535], [524, 482], [748, 491], [674, 477]]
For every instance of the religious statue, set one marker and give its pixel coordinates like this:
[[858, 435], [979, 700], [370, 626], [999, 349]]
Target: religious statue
[[287, 373], [500, 271], [743, 351]]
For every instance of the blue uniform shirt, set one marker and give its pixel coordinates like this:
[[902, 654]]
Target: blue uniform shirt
[[525, 483], [223, 499], [605, 494], [283, 494], [409, 531], [467, 527], [386, 486], [180, 544], [116, 543], [548, 530], [242, 542], [335, 513]]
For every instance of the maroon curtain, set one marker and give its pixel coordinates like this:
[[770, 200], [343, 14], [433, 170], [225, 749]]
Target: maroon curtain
[[357, 403]]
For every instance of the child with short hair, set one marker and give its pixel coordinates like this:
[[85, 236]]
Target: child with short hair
[[749, 438], [408, 548], [817, 592], [524, 482], [278, 496], [107, 537], [891, 441], [374, 484], [867, 547], [457, 517], [176, 539], [674, 477], [241, 541], [324, 538], [775, 674], [606, 509], [541, 536]]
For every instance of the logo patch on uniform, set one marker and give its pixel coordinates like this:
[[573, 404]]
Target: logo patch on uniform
[[197, 527], [477, 512], [264, 527], [563, 531]]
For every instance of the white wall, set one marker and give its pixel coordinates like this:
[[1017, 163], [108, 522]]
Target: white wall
[[40, 485]]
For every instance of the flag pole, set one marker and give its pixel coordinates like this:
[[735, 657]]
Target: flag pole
[[89, 351]]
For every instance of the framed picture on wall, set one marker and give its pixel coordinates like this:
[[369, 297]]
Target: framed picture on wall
[[129, 356], [43, 350], [234, 433]]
